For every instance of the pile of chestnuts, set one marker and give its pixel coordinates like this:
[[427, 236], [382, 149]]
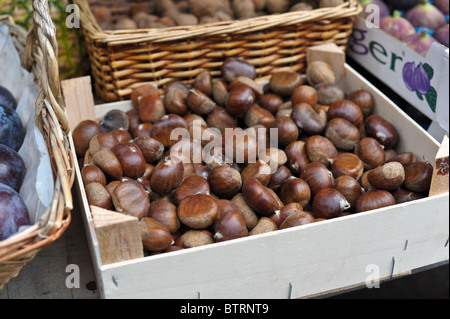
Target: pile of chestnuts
[[224, 158]]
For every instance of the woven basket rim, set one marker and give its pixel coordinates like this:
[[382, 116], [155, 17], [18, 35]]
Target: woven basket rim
[[350, 8]]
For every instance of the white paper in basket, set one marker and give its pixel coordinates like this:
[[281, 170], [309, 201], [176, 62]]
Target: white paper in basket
[[38, 188]]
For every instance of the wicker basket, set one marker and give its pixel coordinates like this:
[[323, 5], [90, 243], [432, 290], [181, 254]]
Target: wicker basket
[[124, 59], [39, 56]]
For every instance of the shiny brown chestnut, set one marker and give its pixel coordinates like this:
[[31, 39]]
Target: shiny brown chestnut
[[295, 190], [329, 203], [287, 130], [343, 134], [231, 225], [163, 129], [363, 99], [280, 215], [168, 175], [297, 158], [151, 149], [221, 119], [199, 103], [374, 199], [219, 91], [284, 83], [347, 164], [190, 186], [348, 110], [166, 213], [224, 181], [104, 140], [304, 94], [243, 144], [151, 108], [299, 218], [143, 90], [109, 164], [308, 119], [278, 178], [256, 115], [175, 94], [402, 195], [91, 173], [404, 158], [382, 130], [321, 149], [251, 219], [328, 93], [349, 187], [271, 102], [274, 157], [133, 119], [131, 159], [261, 199], [143, 129], [82, 135], [155, 236], [239, 99], [197, 211], [418, 177], [259, 170], [97, 195], [234, 67], [317, 176], [371, 152], [203, 82], [122, 136], [130, 198], [390, 176]]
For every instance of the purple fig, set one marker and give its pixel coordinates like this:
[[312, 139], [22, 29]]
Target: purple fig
[[384, 10], [408, 76], [420, 42], [442, 5], [397, 26], [441, 35], [425, 15], [403, 4], [422, 80]]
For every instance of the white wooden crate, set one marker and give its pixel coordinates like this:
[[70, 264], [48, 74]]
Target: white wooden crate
[[299, 262]]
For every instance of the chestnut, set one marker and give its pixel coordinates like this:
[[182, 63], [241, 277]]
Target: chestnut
[[197, 211], [190, 186], [382, 130], [203, 82], [259, 91], [271, 102], [297, 158], [265, 225], [163, 129], [225, 181], [343, 134], [299, 218], [347, 164], [280, 215], [151, 149], [143, 129], [328, 93], [364, 100], [97, 195], [304, 94], [402, 195], [221, 119], [175, 94], [131, 159], [133, 119], [374, 199], [317, 176], [234, 67], [348, 110], [109, 164], [308, 119], [187, 150], [278, 178], [104, 140], [168, 175], [130, 198], [166, 213], [261, 199], [274, 157], [151, 108], [122, 136], [155, 236], [390, 176], [239, 99], [251, 219], [219, 91], [295, 190], [321, 149], [287, 130], [195, 238], [240, 145], [143, 90], [320, 72], [349, 187], [199, 103], [82, 135], [404, 158], [256, 115], [371, 152], [259, 170], [114, 120], [329, 203], [231, 225], [91, 173], [284, 83], [418, 177]]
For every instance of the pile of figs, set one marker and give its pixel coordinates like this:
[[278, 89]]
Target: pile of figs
[[13, 211], [419, 23]]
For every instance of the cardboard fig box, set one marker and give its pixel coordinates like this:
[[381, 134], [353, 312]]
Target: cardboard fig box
[[310, 260], [389, 59]]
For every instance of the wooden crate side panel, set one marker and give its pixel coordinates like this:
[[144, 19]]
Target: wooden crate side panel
[[313, 259]]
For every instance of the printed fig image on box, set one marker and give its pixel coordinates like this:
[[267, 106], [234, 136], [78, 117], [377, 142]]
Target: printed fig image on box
[[422, 80]]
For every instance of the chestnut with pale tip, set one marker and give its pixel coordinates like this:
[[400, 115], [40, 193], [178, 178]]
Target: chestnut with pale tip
[[231, 225], [371, 152], [347, 164], [308, 119], [261, 199], [224, 181], [374, 199], [295, 190], [166, 213], [382, 130], [321, 149], [197, 211], [130, 198], [296, 219], [329, 203], [279, 216], [168, 175], [317, 176], [390, 176], [155, 236]]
